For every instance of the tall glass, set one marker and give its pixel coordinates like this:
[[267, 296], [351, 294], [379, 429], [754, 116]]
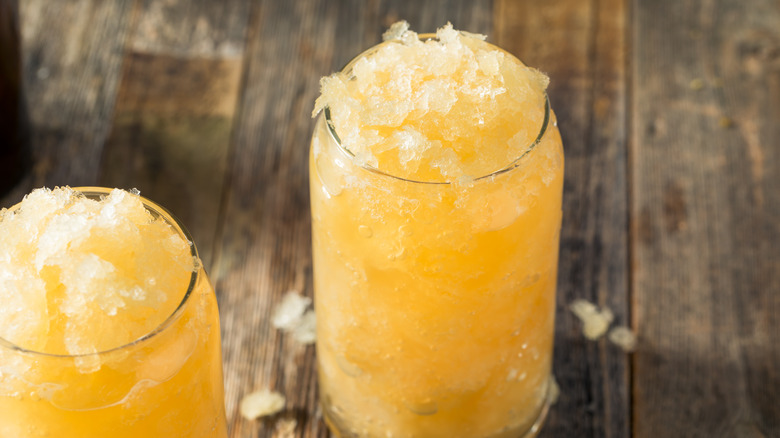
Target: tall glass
[[168, 383], [435, 300]]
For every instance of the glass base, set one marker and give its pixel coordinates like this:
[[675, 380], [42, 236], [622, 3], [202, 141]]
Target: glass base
[[333, 422], [537, 426]]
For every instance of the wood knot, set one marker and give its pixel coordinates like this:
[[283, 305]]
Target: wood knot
[[759, 51]]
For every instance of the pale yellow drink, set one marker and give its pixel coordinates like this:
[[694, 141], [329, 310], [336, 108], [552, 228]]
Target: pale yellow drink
[[109, 325], [435, 240]]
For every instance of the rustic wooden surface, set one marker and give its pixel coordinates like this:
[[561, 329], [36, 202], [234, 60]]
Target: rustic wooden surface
[[670, 115]]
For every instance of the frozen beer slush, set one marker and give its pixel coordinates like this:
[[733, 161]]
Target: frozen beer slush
[[436, 172], [108, 323]]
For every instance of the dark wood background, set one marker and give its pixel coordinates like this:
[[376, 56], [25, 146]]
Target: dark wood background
[[670, 115]]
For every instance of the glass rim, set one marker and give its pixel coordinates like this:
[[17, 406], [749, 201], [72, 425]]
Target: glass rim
[[156, 210], [350, 155]]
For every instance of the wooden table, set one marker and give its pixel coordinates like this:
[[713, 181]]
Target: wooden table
[[670, 114]]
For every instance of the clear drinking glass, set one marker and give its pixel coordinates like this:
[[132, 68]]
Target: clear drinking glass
[[435, 300], [168, 383]]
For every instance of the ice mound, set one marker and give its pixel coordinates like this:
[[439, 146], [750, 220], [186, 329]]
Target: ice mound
[[435, 109], [80, 276]]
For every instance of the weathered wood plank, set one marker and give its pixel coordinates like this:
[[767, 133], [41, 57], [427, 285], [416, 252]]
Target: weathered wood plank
[[191, 28], [174, 114], [706, 218], [171, 134], [476, 17], [72, 55], [581, 46], [265, 243]]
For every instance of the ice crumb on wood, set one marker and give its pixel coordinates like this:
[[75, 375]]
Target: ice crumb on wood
[[289, 312], [293, 316], [261, 404], [285, 428], [595, 321], [306, 330], [623, 337]]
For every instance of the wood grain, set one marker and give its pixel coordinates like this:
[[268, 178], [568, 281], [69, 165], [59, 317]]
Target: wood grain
[[171, 134], [265, 240], [173, 119], [191, 28], [706, 218], [582, 46], [72, 56]]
